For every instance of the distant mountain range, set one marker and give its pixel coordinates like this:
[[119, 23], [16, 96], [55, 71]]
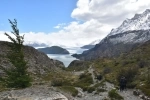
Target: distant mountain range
[[53, 50], [36, 44], [131, 33]]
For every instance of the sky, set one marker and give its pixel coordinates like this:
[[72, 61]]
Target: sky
[[70, 23]]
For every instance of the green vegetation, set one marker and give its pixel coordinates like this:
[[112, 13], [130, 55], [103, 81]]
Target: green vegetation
[[99, 87], [70, 89], [84, 81], [134, 65], [145, 88], [114, 95], [16, 76]]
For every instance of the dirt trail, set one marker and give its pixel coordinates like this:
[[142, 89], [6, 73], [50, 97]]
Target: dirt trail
[[91, 70], [127, 95]]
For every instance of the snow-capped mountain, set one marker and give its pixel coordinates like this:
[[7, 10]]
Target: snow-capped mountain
[[138, 22], [91, 45], [131, 33], [95, 42]]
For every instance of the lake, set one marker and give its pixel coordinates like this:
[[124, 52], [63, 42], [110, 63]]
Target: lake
[[67, 58]]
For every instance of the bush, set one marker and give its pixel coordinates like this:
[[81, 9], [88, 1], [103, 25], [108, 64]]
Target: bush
[[107, 70], [128, 73], [114, 95], [100, 90], [142, 64], [84, 81], [70, 89], [85, 88], [131, 85], [145, 89], [90, 89], [99, 77], [57, 82]]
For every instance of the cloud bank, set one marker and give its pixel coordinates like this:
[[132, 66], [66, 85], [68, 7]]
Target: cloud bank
[[94, 20]]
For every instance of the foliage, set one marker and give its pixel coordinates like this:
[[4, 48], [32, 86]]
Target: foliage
[[145, 88], [57, 82], [84, 81], [129, 74], [90, 89], [70, 89], [16, 76], [114, 95]]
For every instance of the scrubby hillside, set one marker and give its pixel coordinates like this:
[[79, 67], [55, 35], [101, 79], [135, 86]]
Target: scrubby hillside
[[38, 62], [134, 65]]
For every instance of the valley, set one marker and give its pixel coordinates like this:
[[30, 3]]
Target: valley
[[93, 75]]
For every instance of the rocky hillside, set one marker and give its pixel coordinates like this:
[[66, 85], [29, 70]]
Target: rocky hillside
[[53, 50], [128, 35], [78, 65], [38, 62]]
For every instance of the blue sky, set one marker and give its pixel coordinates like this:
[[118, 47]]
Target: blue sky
[[36, 15], [70, 23]]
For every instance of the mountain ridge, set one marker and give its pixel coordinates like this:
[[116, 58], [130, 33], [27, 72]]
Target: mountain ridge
[[121, 39]]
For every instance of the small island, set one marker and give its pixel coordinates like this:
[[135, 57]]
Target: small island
[[53, 50]]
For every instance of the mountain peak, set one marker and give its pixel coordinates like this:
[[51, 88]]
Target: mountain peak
[[147, 11], [138, 22]]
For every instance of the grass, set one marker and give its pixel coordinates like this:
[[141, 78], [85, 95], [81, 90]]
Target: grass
[[69, 89], [145, 88], [84, 81], [2, 87], [114, 95]]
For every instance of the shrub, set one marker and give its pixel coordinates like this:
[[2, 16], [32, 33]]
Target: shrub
[[57, 82], [142, 64], [145, 89], [128, 73], [90, 89], [84, 81], [114, 95], [99, 77], [70, 89], [107, 70]]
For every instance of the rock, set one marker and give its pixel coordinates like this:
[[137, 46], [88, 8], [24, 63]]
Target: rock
[[142, 96], [80, 92], [136, 92], [32, 93]]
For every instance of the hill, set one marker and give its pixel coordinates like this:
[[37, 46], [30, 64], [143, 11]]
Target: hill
[[53, 50], [134, 65], [38, 62]]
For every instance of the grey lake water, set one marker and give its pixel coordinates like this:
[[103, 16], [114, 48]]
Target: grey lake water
[[67, 58]]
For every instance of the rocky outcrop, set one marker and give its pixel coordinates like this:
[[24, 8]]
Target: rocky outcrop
[[33, 93], [37, 62]]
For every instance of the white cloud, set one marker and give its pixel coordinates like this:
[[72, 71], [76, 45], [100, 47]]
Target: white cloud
[[95, 19], [60, 25], [75, 34], [108, 11]]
